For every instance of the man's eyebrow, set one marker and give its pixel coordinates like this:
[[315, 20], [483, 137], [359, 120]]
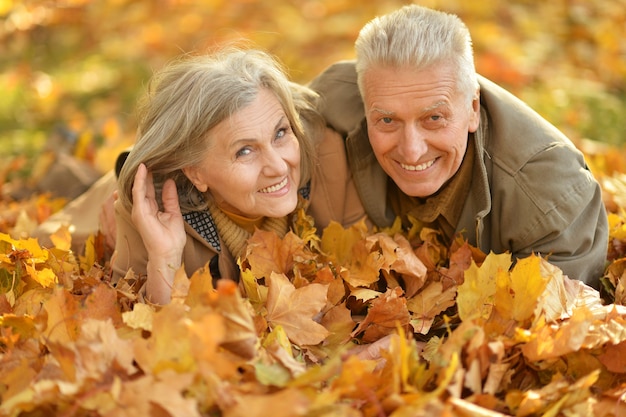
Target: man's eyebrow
[[434, 106], [381, 111], [424, 110]]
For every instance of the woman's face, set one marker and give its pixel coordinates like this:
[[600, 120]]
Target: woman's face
[[252, 165]]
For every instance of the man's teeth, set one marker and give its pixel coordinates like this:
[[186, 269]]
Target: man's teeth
[[276, 187], [419, 167]]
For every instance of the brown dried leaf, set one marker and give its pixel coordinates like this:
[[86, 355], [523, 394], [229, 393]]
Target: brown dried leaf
[[385, 315]]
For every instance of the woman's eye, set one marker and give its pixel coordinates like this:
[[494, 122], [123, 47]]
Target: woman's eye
[[282, 132], [242, 152]]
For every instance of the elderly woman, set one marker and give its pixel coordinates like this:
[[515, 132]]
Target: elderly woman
[[226, 144]]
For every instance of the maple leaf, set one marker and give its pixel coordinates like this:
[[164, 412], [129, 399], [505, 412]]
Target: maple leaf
[[362, 269], [31, 255], [400, 257], [267, 253], [90, 256], [63, 316], [240, 335], [62, 238], [548, 342], [20, 394], [166, 392], [432, 252], [255, 293], [198, 287], [461, 257], [96, 353], [101, 304], [293, 403], [304, 228], [385, 314], [517, 292], [475, 297], [556, 397], [429, 303], [294, 309], [357, 379], [340, 324], [338, 241], [157, 353]]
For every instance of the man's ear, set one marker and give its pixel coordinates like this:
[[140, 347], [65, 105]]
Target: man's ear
[[193, 174], [475, 112]]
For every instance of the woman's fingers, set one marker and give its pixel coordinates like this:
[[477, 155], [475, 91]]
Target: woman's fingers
[[169, 195]]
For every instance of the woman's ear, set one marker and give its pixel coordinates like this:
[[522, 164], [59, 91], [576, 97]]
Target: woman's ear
[[193, 174]]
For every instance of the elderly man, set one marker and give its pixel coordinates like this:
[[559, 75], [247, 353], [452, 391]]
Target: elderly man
[[428, 138]]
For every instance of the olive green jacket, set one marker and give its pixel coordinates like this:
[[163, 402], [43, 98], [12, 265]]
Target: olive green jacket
[[531, 190]]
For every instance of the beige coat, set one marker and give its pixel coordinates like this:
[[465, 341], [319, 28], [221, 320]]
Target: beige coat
[[332, 197], [531, 189]]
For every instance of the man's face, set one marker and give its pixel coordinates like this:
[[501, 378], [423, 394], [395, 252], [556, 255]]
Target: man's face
[[418, 124]]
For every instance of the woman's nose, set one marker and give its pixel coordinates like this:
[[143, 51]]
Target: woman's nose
[[275, 164]]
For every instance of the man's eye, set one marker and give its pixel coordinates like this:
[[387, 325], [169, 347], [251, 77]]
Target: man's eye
[[386, 120]]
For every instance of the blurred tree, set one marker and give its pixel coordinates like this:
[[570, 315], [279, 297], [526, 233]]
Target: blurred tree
[[71, 70]]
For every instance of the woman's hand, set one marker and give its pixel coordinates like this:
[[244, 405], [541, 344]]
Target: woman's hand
[[162, 232]]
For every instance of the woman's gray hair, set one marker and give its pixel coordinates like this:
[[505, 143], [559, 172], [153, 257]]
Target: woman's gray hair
[[417, 37], [193, 94]]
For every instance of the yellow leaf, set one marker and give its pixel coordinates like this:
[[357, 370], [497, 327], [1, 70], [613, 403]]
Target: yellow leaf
[[284, 403], [62, 238], [140, 317], [547, 342], [63, 317], [518, 291], [157, 353], [278, 336], [339, 242], [45, 276], [36, 253], [475, 296], [89, 258]]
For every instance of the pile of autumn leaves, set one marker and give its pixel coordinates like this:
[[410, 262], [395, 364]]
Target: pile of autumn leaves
[[354, 323]]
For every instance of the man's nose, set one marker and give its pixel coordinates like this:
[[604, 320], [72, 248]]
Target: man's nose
[[413, 143]]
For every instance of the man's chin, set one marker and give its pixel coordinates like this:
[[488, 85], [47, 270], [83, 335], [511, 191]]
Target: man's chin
[[419, 191]]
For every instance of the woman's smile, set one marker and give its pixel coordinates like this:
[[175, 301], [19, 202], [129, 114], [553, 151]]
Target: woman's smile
[[276, 187]]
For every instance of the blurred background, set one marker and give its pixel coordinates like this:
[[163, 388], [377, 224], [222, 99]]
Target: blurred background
[[71, 71]]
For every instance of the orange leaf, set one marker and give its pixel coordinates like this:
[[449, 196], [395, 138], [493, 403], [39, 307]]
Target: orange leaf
[[294, 309], [428, 303], [267, 253], [385, 315], [614, 357], [400, 257]]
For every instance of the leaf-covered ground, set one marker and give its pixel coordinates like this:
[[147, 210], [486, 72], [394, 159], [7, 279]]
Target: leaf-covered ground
[[355, 323], [352, 323]]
